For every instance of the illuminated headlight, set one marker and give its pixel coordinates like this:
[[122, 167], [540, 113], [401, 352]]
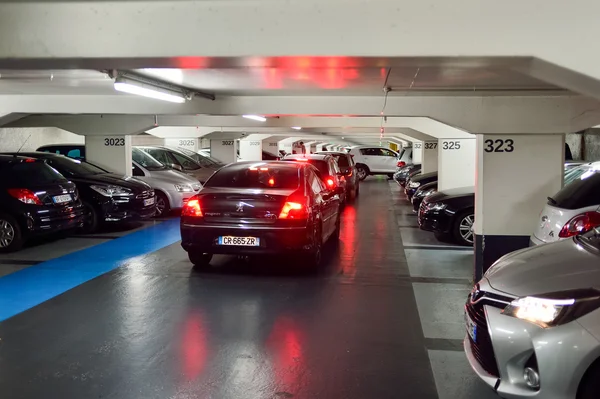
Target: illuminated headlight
[[546, 312], [184, 188], [437, 206], [414, 184], [111, 191]]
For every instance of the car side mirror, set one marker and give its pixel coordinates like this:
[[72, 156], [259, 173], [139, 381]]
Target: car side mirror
[[176, 167]]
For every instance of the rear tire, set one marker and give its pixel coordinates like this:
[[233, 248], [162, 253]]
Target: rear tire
[[590, 383], [462, 230], [91, 221], [162, 205], [11, 238], [313, 260], [200, 259], [362, 171]]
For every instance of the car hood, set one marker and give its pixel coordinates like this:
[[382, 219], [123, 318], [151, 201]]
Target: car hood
[[452, 193], [172, 176], [110, 178], [560, 266], [424, 177]]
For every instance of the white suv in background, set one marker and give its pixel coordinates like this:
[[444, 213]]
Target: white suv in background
[[574, 210], [373, 160]]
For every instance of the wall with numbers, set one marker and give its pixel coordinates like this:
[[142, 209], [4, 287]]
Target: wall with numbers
[[187, 143], [224, 150], [456, 163]]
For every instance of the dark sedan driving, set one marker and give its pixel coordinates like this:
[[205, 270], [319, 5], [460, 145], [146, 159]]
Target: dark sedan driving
[[261, 208], [348, 168]]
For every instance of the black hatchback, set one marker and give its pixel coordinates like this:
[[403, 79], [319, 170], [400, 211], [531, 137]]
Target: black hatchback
[[106, 197], [34, 199]]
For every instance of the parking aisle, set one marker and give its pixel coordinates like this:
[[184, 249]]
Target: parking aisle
[[155, 328], [441, 275]]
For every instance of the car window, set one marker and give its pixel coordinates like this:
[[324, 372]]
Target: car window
[[579, 193], [334, 167], [316, 184], [30, 173], [160, 155], [76, 153], [146, 160], [185, 162], [254, 177], [369, 151], [342, 161], [137, 171], [387, 153]]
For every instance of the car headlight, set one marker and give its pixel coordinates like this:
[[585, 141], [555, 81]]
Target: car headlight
[[556, 309], [414, 184], [111, 191], [437, 206], [429, 192], [184, 188]]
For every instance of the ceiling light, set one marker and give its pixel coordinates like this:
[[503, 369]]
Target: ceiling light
[[296, 127], [255, 117], [146, 90]]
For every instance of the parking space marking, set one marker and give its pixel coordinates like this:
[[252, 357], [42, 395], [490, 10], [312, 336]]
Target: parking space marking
[[439, 247], [31, 286]]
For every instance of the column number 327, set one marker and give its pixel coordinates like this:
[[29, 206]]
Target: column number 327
[[499, 145]]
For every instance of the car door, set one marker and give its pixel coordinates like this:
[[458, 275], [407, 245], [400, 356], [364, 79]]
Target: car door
[[370, 156], [325, 200], [388, 160]]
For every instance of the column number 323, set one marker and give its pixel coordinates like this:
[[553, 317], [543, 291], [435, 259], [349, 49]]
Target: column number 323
[[499, 145]]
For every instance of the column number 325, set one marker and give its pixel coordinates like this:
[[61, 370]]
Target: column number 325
[[499, 145]]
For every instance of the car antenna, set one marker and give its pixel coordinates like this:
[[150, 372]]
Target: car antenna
[[25, 142]]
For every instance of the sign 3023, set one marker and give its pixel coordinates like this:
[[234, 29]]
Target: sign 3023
[[114, 142]]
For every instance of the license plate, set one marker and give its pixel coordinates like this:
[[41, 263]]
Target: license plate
[[471, 327], [59, 199], [240, 241], [149, 201]]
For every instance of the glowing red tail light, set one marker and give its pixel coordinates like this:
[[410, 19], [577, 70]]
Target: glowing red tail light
[[192, 208], [580, 224], [293, 210], [24, 195], [330, 182], [401, 164]]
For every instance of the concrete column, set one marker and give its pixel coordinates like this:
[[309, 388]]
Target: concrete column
[[515, 175], [320, 146], [251, 149], [429, 161], [417, 152], [225, 150], [286, 146], [456, 163], [271, 145], [112, 153], [187, 143]]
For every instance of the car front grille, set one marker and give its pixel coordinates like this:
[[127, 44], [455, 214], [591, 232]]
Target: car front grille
[[483, 350], [145, 194]]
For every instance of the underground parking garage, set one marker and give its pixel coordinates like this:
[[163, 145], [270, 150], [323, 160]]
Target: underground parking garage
[[329, 214]]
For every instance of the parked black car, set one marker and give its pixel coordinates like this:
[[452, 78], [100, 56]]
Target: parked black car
[[403, 173], [106, 197], [450, 214], [251, 208], [348, 168], [417, 181], [422, 192], [328, 171], [34, 199]]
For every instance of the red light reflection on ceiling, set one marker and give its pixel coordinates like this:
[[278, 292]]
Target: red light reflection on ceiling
[[324, 72], [194, 346], [191, 62]]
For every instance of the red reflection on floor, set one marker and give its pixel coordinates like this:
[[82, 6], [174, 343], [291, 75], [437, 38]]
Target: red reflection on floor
[[285, 343], [194, 346], [348, 236]]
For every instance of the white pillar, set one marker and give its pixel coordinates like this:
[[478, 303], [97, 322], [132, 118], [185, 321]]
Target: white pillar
[[225, 150], [515, 175], [429, 162], [271, 145], [112, 153], [286, 146], [417, 152], [187, 143], [456, 163], [320, 147], [251, 149]]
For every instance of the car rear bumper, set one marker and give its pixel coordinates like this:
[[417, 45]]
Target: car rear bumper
[[117, 213], [52, 222], [273, 240]]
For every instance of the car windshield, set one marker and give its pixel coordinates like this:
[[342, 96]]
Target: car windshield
[[581, 192], [259, 177], [572, 174], [342, 161], [201, 159], [146, 160], [73, 167], [31, 173]]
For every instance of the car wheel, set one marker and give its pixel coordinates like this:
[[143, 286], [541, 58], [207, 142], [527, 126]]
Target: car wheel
[[11, 238], [162, 205], [200, 259], [316, 254], [362, 172], [91, 221], [463, 228], [590, 383]]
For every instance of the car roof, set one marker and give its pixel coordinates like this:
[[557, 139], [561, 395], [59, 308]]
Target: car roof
[[331, 153], [315, 157], [62, 145], [35, 154], [265, 164], [9, 158]]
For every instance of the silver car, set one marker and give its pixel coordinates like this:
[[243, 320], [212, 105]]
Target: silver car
[[533, 321], [178, 160], [173, 189]]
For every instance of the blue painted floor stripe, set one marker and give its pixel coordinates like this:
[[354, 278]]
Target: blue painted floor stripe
[[29, 287]]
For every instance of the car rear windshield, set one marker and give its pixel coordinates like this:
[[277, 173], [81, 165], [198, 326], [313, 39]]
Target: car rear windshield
[[256, 177], [26, 174], [317, 163], [342, 161], [582, 192]]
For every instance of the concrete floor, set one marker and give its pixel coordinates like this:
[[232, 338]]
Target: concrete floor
[[383, 319]]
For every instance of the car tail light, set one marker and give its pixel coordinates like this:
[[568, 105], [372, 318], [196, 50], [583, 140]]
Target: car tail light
[[349, 173], [401, 164], [330, 182], [192, 208], [580, 224], [24, 195], [293, 210]]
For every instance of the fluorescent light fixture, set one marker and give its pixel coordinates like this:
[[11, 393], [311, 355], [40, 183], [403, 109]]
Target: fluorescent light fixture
[[255, 117], [145, 90], [296, 128]]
